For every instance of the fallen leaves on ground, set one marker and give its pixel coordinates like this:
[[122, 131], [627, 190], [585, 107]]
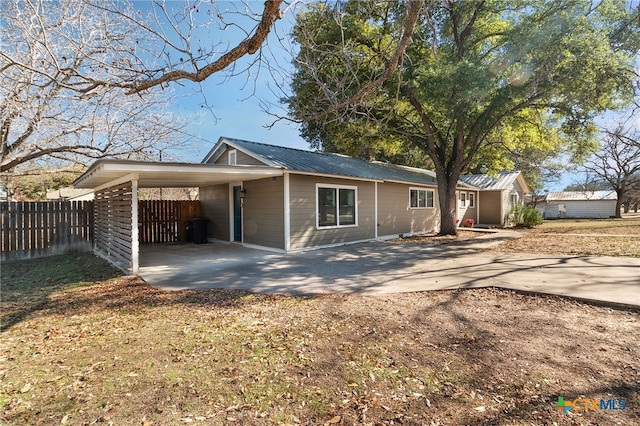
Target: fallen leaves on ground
[[120, 352]]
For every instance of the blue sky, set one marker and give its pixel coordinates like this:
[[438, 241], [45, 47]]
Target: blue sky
[[232, 107]]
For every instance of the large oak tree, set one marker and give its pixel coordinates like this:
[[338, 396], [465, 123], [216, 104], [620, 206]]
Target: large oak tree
[[460, 79]]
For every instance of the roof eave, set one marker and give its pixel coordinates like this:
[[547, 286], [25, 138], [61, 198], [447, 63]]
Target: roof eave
[[166, 174]]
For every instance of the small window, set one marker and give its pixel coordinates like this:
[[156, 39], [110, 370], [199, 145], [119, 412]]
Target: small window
[[336, 206], [232, 157], [472, 200], [514, 199], [463, 199], [420, 198]]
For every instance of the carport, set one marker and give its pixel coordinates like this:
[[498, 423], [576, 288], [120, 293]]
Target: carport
[[116, 183]]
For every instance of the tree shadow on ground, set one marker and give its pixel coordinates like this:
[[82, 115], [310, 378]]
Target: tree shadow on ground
[[446, 341]]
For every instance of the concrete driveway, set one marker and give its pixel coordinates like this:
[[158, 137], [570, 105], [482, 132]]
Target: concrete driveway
[[380, 267]]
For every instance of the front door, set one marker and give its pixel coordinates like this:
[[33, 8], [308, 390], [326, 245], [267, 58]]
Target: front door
[[237, 214]]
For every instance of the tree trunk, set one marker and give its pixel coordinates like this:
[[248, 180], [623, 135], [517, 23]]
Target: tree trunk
[[618, 205], [448, 208]]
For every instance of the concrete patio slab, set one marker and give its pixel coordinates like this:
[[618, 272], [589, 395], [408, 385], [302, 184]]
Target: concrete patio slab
[[381, 267]]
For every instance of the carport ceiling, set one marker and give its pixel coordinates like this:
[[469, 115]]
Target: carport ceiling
[[158, 175]]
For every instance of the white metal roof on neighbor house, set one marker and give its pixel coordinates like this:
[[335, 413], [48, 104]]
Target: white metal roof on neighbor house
[[582, 196]]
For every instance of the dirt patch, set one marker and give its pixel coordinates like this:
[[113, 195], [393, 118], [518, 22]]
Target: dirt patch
[[117, 351], [434, 239]]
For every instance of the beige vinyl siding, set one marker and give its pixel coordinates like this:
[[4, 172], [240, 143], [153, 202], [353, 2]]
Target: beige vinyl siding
[[263, 212], [241, 158], [304, 233], [214, 205], [490, 213], [516, 189], [506, 207], [395, 217]]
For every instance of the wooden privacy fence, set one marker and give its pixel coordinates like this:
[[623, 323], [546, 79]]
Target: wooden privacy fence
[[38, 229], [161, 221], [33, 229]]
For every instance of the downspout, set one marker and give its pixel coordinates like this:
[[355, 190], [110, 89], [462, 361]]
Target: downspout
[[375, 209], [287, 212], [502, 219]]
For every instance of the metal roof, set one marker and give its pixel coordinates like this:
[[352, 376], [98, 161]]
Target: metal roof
[[329, 163], [275, 160], [582, 196], [504, 180]]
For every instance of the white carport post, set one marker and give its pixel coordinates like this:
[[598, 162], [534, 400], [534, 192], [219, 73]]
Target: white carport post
[[135, 241]]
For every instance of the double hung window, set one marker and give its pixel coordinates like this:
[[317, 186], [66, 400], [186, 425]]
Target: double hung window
[[420, 198]]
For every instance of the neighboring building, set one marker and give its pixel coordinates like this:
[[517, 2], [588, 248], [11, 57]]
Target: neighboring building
[[70, 194], [499, 195], [579, 204], [288, 199]]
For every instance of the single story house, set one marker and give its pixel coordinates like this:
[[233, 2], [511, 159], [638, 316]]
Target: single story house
[[579, 204], [499, 195], [280, 199]]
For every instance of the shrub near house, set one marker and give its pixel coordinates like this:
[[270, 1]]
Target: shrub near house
[[527, 217]]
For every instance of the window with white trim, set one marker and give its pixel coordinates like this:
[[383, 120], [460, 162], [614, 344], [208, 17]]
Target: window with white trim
[[463, 200], [231, 156], [336, 206], [514, 199], [472, 200], [420, 198]]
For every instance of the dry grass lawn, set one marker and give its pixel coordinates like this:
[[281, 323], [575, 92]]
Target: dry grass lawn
[[605, 237]]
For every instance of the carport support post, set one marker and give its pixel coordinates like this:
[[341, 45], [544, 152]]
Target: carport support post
[[135, 241]]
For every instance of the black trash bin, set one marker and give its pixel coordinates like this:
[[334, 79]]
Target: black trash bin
[[197, 230]]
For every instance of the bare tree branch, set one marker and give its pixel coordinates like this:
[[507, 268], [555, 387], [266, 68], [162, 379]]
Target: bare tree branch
[[43, 114], [249, 46], [618, 162]]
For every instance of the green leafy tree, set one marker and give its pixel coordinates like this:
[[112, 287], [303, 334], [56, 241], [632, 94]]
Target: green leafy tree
[[466, 82]]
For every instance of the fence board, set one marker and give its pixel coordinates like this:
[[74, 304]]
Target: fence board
[[38, 229], [163, 221]]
